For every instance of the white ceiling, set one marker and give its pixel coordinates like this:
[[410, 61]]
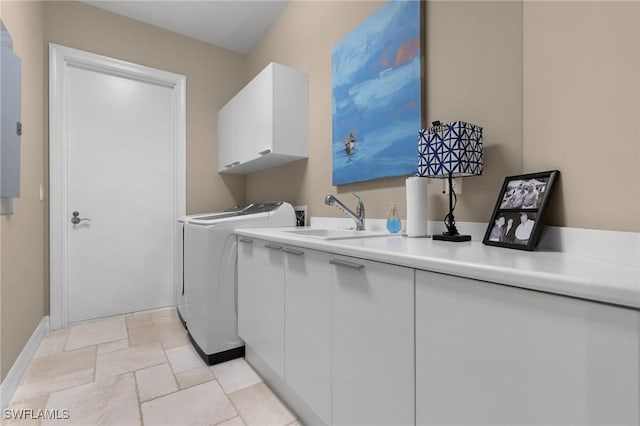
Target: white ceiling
[[233, 24]]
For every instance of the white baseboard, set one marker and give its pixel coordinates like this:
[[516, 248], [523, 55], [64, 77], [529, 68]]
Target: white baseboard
[[11, 382]]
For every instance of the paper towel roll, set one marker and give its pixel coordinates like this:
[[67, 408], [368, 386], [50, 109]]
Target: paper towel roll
[[417, 213]]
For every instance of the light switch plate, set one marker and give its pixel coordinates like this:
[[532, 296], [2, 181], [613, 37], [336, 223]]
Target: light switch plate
[[457, 186], [6, 205]]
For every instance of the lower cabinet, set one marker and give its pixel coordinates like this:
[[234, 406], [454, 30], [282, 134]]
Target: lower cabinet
[[261, 300], [338, 331], [367, 343], [308, 328], [284, 315], [493, 354], [372, 351]]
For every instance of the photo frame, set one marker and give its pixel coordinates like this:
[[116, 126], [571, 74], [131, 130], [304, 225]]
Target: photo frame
[[516, 221]]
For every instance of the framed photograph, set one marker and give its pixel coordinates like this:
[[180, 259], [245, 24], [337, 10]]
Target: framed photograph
[[516, 221]]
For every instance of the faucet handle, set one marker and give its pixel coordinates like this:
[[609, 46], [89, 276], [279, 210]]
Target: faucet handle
[[360, 206]]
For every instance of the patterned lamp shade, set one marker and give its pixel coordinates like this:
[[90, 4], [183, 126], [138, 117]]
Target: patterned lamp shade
[[450, 149]]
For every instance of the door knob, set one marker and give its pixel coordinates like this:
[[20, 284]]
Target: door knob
[[76, 220]]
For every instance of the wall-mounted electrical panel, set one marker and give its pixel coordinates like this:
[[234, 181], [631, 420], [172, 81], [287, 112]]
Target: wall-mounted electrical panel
[[10, 123]]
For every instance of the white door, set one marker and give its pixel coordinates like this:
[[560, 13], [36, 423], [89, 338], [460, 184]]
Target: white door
[[119, 130]]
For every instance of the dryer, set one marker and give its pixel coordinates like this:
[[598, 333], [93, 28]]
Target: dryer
[[178, 269], [210, 304]]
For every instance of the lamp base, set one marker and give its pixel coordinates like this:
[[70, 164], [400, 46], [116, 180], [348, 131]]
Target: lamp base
[[455, 238]]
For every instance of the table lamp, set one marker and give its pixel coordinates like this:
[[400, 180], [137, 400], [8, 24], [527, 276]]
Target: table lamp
[[448, 151]]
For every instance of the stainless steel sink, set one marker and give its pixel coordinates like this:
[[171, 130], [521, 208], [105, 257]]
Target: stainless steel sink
[[337, 234]]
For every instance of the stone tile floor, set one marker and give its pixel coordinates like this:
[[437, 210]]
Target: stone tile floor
[[140, 369]]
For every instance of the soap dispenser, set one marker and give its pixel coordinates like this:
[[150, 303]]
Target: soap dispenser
[[393, 219]]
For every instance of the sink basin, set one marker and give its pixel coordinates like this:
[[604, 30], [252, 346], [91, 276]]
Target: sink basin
[[337, 234]]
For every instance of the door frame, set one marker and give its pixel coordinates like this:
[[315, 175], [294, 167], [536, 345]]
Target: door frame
[[60, 58]]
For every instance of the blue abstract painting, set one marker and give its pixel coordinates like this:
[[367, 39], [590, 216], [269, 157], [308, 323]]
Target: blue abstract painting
[[376, 96]]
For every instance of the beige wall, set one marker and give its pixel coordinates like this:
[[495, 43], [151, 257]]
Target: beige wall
[[23, 253], [582, 108], [214, 75], [474, 72]]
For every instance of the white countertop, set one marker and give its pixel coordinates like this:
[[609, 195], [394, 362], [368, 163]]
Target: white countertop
[[548, 271]]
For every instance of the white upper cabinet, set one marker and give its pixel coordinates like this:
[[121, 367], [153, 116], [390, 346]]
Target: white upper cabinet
[[266, 123]]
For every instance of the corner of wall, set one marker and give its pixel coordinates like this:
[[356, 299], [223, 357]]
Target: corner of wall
[[22, 235]]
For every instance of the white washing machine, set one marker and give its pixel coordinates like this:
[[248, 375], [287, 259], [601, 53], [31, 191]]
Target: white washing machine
[[210, 304], [178, 269]]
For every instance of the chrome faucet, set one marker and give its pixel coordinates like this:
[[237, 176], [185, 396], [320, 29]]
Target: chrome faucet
[[358, 216]]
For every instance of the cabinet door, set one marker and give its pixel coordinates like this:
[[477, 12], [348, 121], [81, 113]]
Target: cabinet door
[[254, 117], [492, 354], [290, 111], [372, 353], [261, 300], [308, 328], [225, 137], [242, 125]]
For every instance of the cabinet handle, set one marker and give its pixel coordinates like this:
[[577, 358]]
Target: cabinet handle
[[226, 166], [351, 265], [273, 246], [264, 152], [235, 163], [245, 240], [293, 251]]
